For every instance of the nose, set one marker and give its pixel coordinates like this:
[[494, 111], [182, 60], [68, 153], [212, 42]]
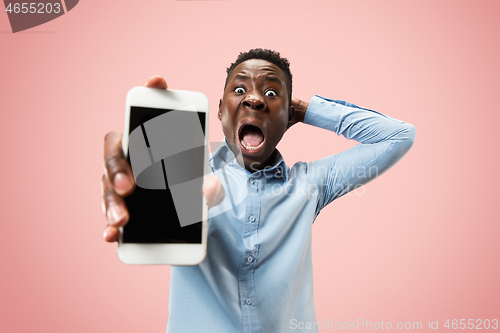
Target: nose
[[254, 101]]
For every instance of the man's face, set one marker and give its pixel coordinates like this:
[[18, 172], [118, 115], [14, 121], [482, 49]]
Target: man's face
[[254, 111]]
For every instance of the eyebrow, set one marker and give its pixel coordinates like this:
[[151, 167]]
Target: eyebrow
[[267, 78]]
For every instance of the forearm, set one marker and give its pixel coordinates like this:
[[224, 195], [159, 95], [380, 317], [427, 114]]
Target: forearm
[[384, 141], [362, 125]]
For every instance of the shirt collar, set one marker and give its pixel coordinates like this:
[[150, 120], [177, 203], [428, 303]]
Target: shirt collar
[[224, 156]]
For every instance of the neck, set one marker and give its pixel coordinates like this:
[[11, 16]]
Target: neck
[[254, 166]]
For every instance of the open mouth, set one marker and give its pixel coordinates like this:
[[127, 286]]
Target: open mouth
[[251, 138]]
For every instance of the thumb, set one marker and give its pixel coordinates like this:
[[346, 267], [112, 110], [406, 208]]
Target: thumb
[[156, 81], [213, 191]]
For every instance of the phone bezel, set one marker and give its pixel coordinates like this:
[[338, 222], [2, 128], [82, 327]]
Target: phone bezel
[[166, 254]]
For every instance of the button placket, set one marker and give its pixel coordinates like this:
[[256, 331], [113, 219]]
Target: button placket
[[246, 282]]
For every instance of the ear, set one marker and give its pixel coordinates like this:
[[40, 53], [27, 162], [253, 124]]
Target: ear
[[219, 113], [291, 116]]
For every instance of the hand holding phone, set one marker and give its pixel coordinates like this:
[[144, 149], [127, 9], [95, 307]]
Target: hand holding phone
[[118, 181]]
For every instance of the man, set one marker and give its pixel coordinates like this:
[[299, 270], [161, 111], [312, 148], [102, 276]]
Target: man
[[257, 276]]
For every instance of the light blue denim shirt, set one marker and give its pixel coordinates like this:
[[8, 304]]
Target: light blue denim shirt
[[257, 276]]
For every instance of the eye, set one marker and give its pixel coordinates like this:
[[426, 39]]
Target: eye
[[271, 93], [240, 90]]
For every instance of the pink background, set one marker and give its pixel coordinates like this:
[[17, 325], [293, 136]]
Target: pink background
[[420, 243]]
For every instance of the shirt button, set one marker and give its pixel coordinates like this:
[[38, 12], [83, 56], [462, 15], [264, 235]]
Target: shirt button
[[250, 259], [248, 301], [252, 218], [251, 181]]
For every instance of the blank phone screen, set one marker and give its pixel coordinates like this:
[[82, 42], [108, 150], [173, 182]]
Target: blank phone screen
[[152, 206]]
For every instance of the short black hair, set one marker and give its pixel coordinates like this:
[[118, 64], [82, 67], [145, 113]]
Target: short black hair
[[268, 55]]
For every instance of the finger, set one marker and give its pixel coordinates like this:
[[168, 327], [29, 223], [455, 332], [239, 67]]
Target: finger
[[213, 191], [111, 234], [156, 81], [300, 109], [295, 102], [114, 206], [116, 168]]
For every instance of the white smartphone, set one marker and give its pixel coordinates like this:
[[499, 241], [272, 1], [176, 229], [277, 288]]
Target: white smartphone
[[165, 141]]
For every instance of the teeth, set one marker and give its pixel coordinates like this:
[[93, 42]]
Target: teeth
[[251, 148]]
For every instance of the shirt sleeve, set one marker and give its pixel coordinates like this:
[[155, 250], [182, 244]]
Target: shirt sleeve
[[383, 142]]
